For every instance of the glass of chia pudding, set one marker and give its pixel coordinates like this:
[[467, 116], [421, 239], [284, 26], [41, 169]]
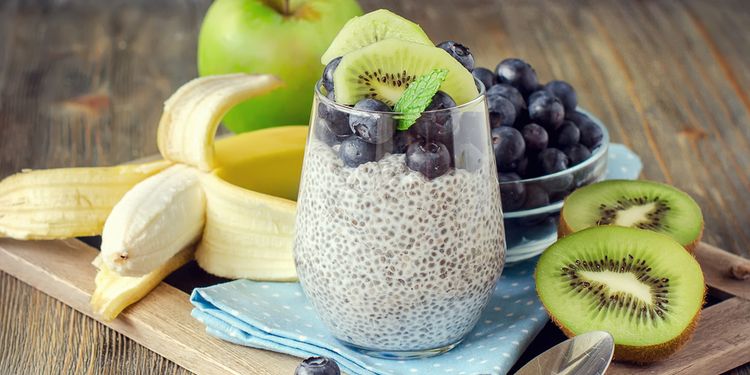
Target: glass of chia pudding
[[399, 233]]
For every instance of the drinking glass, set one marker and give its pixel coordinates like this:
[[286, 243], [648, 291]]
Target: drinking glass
[[397, 262]]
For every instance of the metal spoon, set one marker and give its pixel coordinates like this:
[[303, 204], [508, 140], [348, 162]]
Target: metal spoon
[[586, 354]]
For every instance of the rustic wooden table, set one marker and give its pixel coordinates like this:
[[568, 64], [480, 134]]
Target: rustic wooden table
[[81, 82]]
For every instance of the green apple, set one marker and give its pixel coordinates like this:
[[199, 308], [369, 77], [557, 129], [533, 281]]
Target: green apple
[[284, 38]]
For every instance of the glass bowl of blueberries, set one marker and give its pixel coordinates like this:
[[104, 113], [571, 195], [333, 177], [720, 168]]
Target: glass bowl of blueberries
[[545, 147]]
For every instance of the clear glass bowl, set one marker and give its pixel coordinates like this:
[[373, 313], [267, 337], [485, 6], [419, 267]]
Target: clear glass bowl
[[529, 232], [396, 264]]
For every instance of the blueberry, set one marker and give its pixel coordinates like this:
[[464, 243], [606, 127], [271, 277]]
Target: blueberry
[[577, 153], [328, 73], [565, 92], [323, 132], [522, 167], [429, 158], [577, 117], [338, 120], [591, 134], [436, 126], [512, 192], [355, 151], [459, 52], [518, 74], [374, 128], [509, 147], [545, 109], [510, 93], [403, 139], [484, 75], [535, 136], [318, 366], [553, 160], [568, 134], [502, 111], [536, 196]]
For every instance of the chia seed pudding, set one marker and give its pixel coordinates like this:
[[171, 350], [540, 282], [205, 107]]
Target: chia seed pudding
[[392, 260]]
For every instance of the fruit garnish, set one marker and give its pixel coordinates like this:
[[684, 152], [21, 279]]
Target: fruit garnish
[[370, 28], [459, 52], [372, 127], [65, 202], [432, 159], [318, 366], [638, 285], [434, 124], [383, 71], [638, 204], [418, 96]]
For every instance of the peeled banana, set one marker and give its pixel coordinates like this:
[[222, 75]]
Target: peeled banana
[[153, 221], [65, 202]]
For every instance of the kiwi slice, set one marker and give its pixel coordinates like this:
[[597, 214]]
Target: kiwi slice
[[384, 69], [637, 204], [638, 285], [372, 27]]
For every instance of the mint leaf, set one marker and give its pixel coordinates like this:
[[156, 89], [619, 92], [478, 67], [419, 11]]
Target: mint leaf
[[418, 96]]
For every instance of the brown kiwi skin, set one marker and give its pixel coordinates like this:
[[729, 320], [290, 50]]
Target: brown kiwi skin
[[642, 354], [564, 229]]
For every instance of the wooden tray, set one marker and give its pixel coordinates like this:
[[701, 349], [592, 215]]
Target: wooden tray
[[162, 320]]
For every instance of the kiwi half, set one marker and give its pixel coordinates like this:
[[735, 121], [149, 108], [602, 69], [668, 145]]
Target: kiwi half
[[384, 69], [637, 204], [638, 285], [372, 27]]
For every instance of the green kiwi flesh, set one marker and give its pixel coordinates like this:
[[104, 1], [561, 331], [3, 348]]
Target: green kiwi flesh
[[384, 69], [372, 27], [638, 285], [637, 204]]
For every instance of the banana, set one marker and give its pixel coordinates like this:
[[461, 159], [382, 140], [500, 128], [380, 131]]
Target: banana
[[65, 202], [114, 293], [153, 221], [192, 114], [236, 200]]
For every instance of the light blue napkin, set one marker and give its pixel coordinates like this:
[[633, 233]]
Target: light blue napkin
[[278, 317]]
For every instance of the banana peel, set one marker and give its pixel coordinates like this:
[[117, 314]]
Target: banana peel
[[250, 216], [115, 292], [65, 202]]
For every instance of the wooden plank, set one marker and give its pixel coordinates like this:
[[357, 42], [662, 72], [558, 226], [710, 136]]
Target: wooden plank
[[720, 344], [721, 271], [161, 321]]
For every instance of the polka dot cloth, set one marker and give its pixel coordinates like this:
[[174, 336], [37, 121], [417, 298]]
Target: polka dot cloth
[[278, 317]]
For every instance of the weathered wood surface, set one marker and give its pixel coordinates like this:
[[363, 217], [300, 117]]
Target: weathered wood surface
[[162, 322], [81, 82]]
